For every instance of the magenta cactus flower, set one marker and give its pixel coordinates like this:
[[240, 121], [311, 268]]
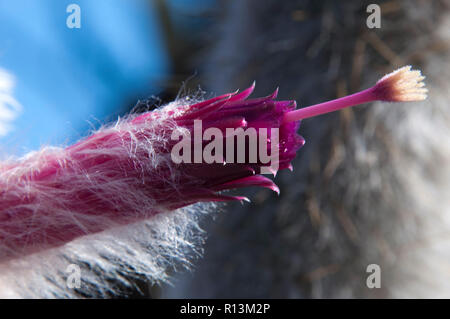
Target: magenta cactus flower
[[127, 172]]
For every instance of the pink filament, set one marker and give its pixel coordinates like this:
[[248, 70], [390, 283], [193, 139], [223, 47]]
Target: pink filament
[[330, 106]]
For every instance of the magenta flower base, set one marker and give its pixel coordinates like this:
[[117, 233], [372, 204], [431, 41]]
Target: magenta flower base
[[125, 173]]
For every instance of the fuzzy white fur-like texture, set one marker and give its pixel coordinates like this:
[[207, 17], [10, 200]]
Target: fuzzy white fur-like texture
[[110, 260], [101, 182], [421, 253], [158, 242]]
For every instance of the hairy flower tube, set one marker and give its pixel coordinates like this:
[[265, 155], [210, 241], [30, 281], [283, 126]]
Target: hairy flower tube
[[125, 173]]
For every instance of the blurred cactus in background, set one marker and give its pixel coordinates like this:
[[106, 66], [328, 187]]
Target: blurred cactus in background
[[371, 185]]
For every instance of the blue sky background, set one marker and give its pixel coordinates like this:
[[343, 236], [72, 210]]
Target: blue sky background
[[71, 80]]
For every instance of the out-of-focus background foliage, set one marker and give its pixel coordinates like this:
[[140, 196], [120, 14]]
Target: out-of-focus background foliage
[[371, 184]]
